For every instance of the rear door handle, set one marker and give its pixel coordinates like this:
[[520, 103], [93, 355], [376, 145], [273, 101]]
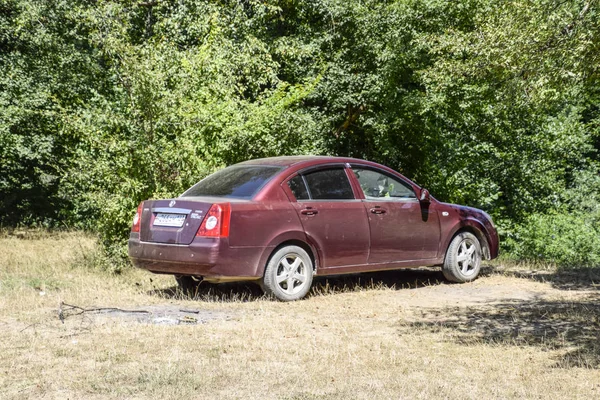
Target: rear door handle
[[378, 210], [309, 211]]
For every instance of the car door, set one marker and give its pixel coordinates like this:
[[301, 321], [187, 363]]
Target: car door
[[334, 220], [402, 229]]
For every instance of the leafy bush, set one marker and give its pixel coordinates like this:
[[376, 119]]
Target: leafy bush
[[567, 239]]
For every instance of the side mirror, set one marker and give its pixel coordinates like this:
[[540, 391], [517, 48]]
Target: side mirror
[[424, 197]]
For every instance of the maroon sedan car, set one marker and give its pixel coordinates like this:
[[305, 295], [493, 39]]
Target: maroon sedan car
[[280, 221]]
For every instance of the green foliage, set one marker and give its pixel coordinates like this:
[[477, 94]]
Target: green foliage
[[571, 240], [569, 236], [487, 103], [45, 74]]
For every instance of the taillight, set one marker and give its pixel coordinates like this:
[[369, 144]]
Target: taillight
[[137, 218], [216, 221]]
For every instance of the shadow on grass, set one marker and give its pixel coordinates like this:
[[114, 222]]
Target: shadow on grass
[[222, 292], [251, 291], [562, 278], [573, 327], [392, 280]]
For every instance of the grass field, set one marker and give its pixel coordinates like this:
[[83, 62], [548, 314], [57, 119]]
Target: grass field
[[513, 333]]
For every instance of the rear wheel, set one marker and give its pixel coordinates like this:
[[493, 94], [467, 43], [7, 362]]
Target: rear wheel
[[288, 274], [188, 284], [463, 258]]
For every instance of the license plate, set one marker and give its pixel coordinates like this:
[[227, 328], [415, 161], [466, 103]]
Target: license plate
[[175, 220]]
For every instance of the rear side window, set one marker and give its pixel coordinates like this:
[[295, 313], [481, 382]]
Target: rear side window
[[298, 188], [240, 181], [329, 184]]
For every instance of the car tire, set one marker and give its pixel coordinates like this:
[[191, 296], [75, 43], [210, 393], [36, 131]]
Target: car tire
[[463, 258], [288, 274], [188, 284]]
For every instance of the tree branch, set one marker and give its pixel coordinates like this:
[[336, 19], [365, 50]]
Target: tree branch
[[81, 310]]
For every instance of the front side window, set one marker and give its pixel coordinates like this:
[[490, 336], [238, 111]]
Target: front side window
[[239, 181], [379, 186]]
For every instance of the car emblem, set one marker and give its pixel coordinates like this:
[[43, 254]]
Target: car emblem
[[172, 203]]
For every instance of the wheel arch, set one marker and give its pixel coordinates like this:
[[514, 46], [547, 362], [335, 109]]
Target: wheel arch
[[476, 228], [287, 239]]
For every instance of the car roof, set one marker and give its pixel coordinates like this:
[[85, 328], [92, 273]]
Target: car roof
[[287, 161]]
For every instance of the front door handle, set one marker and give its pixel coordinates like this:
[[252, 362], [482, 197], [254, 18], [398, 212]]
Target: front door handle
[[309, 211], [378, 210]]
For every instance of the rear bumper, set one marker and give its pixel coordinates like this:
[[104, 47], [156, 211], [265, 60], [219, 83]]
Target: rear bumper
[[211, 258]]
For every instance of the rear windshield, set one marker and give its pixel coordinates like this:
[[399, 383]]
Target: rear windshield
[[240, 181]]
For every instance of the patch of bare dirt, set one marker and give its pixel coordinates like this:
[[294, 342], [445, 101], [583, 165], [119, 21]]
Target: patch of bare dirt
[[495, 289], [153, 314]]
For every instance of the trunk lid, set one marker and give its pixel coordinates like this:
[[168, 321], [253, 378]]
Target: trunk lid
[[173, 221]]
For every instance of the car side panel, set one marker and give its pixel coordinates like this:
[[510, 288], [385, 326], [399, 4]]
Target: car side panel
[[454, 218], [381, 266], [338, 229], [402, 231], [257, 224], [286, 237]]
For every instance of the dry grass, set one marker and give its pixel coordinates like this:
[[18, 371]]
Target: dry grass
[[395, 335]]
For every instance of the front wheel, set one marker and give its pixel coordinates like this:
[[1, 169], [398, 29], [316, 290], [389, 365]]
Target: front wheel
[[463, 258], [288, 274]]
